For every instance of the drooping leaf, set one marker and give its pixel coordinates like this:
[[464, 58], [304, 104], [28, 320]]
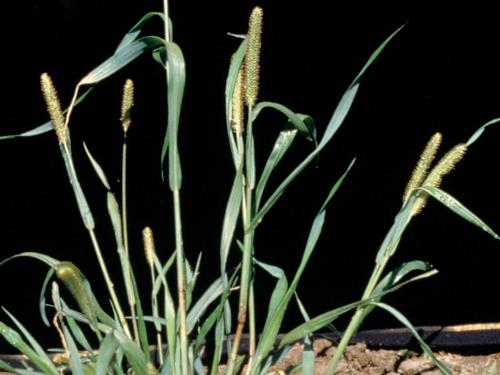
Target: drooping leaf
[[442, 367], [453, 204], [176, 78]]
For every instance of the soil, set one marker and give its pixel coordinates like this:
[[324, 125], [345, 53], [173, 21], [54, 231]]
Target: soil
[[361, 360]]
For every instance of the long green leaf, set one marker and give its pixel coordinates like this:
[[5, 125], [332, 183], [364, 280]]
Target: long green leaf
[[15, 340], [474, 137], [176, 79], [41, 300], [328, 317], [107, 351], [133, 353], [301, 122], [75, 359], [442, 367], [213, 292], [122, 57], [234, 68], [31, 340], [282, 144], [97, 168], [375, 54], [337, 119], [51, 262], [231, 217], [453, 204], [273, 325]]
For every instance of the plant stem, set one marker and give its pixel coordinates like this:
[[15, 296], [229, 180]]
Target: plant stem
[[181, 282], [358, 316], [246, 263], [109, 283], [128, 283]]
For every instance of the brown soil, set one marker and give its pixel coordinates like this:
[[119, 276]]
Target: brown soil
[[360, 360]]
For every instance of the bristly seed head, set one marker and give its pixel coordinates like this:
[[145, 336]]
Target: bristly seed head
[[252, 56], [238, 103], [127, 104], [423, 165], [149, 245], [53, 107], [435, 177], [445, 165]]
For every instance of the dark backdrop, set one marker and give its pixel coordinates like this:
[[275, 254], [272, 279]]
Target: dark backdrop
[[441, 73]]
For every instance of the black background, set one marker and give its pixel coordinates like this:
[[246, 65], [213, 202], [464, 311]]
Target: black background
[[441, 73]]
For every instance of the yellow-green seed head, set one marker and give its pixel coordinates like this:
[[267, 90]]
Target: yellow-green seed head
[[435, 177], [237, 104], [74, 281], [423, 165], [149, 245], [445, 165], [127, 103], [53, 107], [252, 56]]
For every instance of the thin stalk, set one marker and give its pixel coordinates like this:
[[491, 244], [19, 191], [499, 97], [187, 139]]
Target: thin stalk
[[359, 315], [181, 282], [252, 329], [100, 259], [156, 314], [109, 283], [179, 246], [246, 264], [130, 293]]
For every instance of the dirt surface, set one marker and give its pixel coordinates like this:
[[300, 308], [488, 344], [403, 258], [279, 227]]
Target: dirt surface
[[361, 360]]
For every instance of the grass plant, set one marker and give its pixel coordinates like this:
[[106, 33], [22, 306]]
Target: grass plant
[[97, 340]]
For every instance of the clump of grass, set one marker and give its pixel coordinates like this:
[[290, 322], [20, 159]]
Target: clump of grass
[[179, 323]]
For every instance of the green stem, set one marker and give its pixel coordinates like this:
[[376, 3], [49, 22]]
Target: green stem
[[127, 272], [109, 284], [181, 282], [246, 263], [156, 314], [359, 315]]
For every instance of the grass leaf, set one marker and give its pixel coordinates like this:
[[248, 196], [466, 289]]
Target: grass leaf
[[481, 130], [107, 350], [458, 208], [442, 367], [176, 79], [121, 58], [302, 123], [282, 144], [15, 340], [234, 69]]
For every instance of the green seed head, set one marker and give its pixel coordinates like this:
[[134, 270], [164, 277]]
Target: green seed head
[[237, 103], [445, 165], [149, 245], [435, 177], [252, 56], [74, 281], [127, 104], [423, 165], [53, 107]]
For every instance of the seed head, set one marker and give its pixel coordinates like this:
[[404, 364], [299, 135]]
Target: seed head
[[74, 281], [53, 107], [423, 165], [237, 104], [252, 56], [435, 177], [127, 104], [149, 245]]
